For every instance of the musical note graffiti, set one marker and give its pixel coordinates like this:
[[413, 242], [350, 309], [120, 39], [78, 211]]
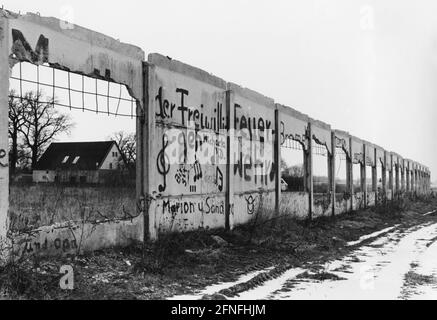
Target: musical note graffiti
[[163, 163]]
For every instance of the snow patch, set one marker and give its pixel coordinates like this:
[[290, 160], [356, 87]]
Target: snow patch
[[370, 236], [219, 287]]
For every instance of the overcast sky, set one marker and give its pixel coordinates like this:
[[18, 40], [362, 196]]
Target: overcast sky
[[367, 67]]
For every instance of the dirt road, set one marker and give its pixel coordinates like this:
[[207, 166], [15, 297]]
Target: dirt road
[[396, 263]]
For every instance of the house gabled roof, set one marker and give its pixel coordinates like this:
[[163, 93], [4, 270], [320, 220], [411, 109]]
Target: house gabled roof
[[88, 155]]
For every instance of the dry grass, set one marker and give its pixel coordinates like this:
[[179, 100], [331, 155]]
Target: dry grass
[[34, 206], [182, 263]]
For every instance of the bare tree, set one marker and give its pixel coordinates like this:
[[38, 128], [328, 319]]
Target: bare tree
[[42, 124], [128, 147], [16, 121]]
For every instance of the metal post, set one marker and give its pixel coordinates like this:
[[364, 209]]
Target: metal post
[[309, 165], [277, 149], [231, 159], [364, 176], [4, 109], [331, 169], [350, 175]]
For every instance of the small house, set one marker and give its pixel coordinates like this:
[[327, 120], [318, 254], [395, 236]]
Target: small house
[[78, 162]]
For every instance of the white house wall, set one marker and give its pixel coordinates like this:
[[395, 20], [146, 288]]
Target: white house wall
[[43, 176], [106, 165]]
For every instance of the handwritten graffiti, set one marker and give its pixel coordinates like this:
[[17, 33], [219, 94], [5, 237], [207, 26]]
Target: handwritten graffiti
[[58, 244], [217, 179], [2, 156], [198, 174], [163, 163], [190, 114], [253, 166], [254, 157], [184, 154], [166, 109], [254, 128], [251, 202], [183, 174], [24, 52], [190, 146], [207, 206]]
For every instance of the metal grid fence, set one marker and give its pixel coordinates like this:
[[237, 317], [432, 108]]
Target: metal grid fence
[[114, 105]]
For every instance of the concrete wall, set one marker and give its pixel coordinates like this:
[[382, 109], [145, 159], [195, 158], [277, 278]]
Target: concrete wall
[[4, 143], [253, 169], [249, 150], [76, 238], [294, 204], [189, 152], [208, 150], [38, 40], [342, 205]]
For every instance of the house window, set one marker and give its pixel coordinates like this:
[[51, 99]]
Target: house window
[[76, 160], [65, 159], [82, 179], [110, 166]]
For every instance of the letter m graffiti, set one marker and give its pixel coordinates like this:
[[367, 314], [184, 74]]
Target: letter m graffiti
[[24, 52]]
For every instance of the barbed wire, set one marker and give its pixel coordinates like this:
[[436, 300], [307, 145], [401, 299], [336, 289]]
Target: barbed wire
[[292, 144], [320, 150]]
